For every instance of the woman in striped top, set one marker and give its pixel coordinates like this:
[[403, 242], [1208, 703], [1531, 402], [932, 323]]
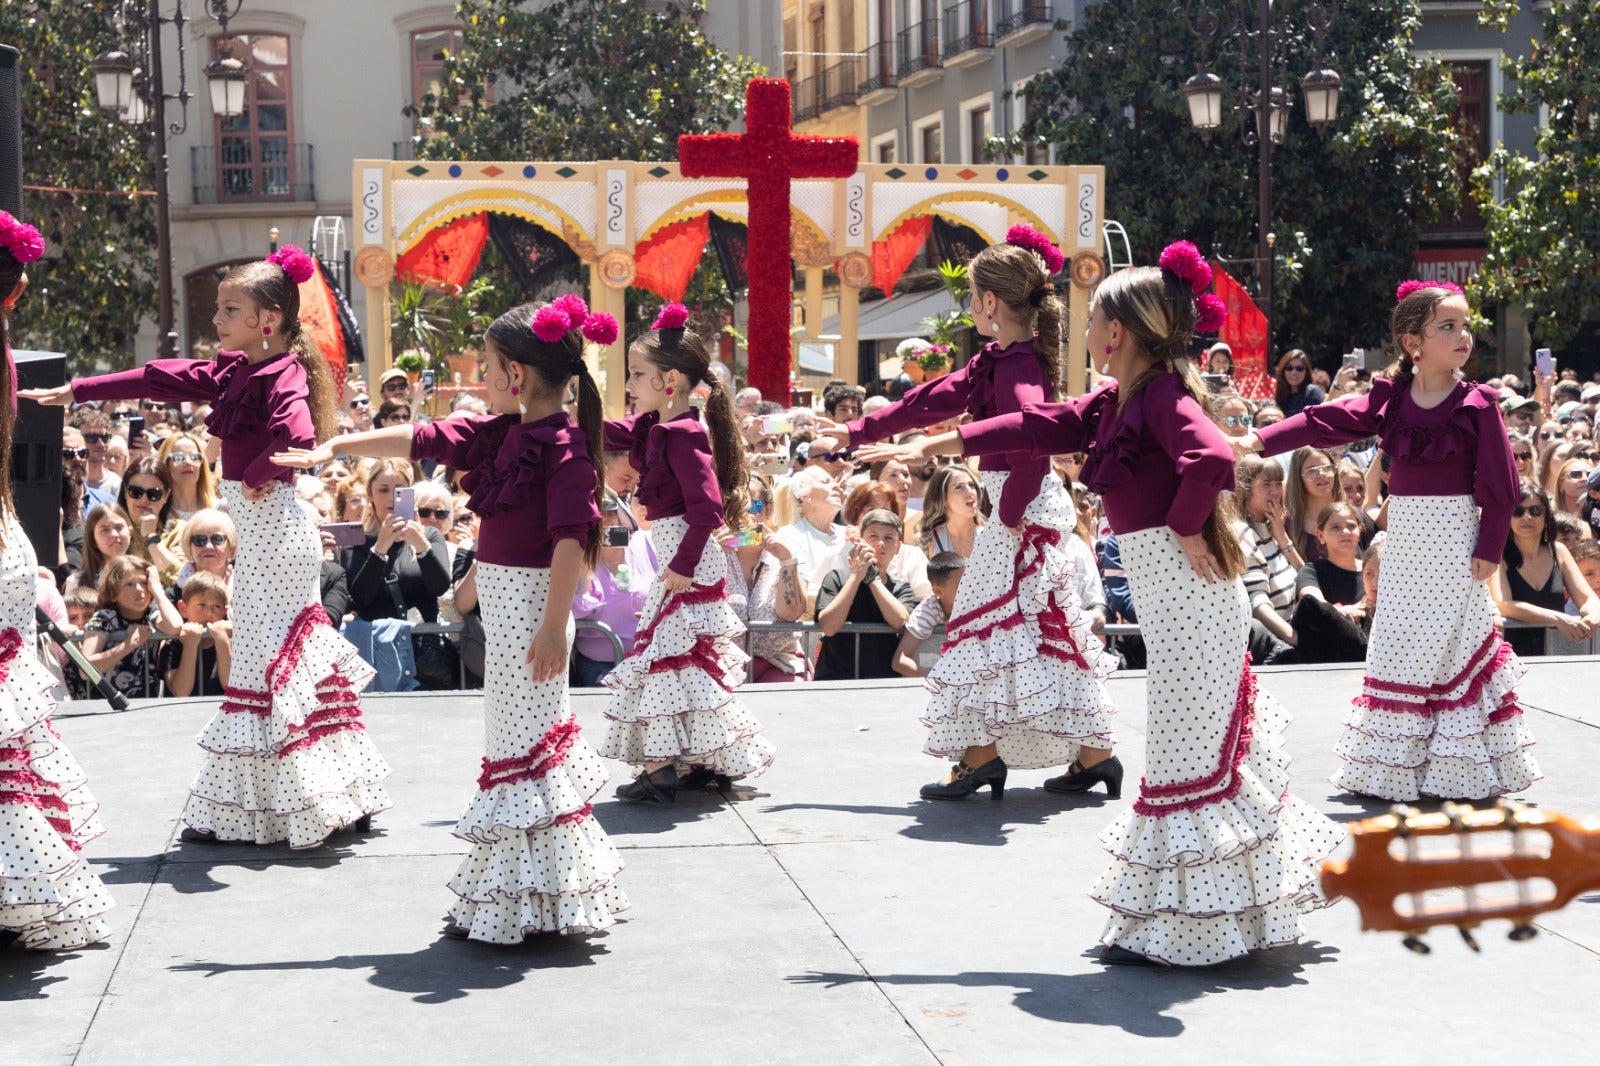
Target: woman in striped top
[[1271, 558]]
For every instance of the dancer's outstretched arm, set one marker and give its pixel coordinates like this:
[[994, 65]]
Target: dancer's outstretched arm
[[390, 442]]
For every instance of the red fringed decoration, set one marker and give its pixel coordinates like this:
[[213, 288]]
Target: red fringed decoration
[[894, 253], [768, 156], [667, 260], [446, 256], [1245, 332], [319, 316]]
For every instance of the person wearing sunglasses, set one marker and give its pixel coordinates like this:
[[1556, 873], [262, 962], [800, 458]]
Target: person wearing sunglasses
[[146, 496], [189, 475], [1538, 576], [1233, 415], [392, 413], [1293, 389], [95, 425], [209, 543], [825, 453]]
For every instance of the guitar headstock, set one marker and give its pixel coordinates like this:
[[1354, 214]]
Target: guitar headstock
[[1462, 866]]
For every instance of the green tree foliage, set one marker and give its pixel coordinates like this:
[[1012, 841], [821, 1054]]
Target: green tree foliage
[[95, 281], [1543, 235], [1347, 207], [580, 79]]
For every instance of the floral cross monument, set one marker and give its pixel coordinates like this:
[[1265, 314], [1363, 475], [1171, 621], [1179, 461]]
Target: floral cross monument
[[768, 156]]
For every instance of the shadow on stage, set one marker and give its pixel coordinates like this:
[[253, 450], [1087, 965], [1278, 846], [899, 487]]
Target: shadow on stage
[[187, 868], [443, 971], [1136, 999], [25, 974], [975, 820]]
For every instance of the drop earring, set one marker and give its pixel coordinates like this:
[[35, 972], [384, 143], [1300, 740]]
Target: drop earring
[[266, 331]]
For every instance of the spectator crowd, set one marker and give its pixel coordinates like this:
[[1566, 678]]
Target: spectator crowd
[[847, 570]]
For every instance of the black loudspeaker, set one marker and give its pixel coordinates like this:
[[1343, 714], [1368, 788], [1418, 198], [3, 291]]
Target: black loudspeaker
[[10, 131], [36, 454]]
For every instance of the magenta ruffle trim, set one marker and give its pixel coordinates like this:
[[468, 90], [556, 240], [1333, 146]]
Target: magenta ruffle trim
[[1223, 782], [549, 753]]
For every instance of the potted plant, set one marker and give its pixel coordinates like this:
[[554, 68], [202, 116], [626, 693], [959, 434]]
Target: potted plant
[[935, 361], [413, 363], [910, 352]]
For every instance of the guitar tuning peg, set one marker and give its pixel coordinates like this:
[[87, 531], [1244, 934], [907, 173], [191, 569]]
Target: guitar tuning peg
[[1415, 943], [1467, 937], [1525, 931]]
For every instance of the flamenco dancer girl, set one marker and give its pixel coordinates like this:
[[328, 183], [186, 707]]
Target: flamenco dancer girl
[[1438, 712], [1019, 682], [286, 757], [539, 861], [673, 710], [49, 898], [1215, 858]]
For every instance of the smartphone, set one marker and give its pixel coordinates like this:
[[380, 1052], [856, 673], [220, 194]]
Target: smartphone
[[1215, 382], [746, 538], [769, 464], [135, 430], [346, 534], [405, 502], [615, 537], [776, 424], [1544, 361], [427, 381]]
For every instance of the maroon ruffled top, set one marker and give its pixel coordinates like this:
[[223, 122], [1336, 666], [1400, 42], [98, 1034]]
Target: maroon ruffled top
[[1458, 447], [257, 409], [531, 484], [677, 475], [1159, 461], [996, 381]]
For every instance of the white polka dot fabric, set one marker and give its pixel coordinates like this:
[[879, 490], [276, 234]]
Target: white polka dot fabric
[[49, 897], [539, 861], [1438, 712], [1020, 666], [286, 757], [1215, 858], [672, 697]]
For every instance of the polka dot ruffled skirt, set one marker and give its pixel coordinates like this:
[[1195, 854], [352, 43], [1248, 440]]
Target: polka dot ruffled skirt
[[1020, 665], [1438, 712], [672, 697], [1215, 858], [49, 897], [539, 861], [287, 756]]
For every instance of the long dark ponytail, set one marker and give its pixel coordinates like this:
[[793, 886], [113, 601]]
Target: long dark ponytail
[[271, 289], [1019, 279]]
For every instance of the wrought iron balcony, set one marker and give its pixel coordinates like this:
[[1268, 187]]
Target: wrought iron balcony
[[807, 93], [920, 59], [879, 74], [841, 83], [253, 169], [1019, 21], [967, 38]]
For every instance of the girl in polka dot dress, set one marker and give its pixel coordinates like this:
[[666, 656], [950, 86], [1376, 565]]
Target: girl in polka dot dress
[[286, 757], [673, 710], [1438, 712], [1215, 858], [1019, 681], [49, 898], [539, 861]]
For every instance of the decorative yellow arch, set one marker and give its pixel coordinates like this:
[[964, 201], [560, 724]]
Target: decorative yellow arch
[[475, 201], [930, 206]]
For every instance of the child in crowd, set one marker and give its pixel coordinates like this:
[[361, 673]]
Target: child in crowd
[[944, 574], [198, 662], [132, 603]]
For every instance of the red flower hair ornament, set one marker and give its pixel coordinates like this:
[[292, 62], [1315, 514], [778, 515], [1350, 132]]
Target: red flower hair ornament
[[295, 263], [573, 307], [1185, 260], [600, 328], [671, 316], [23, 241], [1212, 312], [1031, 239], [551, 323], [1408, 287]]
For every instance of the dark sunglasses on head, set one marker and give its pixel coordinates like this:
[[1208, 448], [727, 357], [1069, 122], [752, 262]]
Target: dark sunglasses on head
[[69, 454], [429, 512], [97, 438], [215, 540], [1532, 511], [138, 492]]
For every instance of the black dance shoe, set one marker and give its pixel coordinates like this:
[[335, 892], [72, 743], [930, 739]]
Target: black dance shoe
[[658, 787], [967, 780], [191, 835], [456, 932], [1112, 955], [361, 825], [702, 777], [1079, 778]]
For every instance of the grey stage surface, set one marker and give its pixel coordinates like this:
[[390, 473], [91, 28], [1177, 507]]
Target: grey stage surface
[[825, 916]]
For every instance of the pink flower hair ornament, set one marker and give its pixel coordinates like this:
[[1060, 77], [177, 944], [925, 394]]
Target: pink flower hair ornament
[[671, 316], [23, 241], [1185, 260], [573, 307], [1031, 239], [600, 328], [1408, 287], [550, 324], [295, 263], [1212, 312]]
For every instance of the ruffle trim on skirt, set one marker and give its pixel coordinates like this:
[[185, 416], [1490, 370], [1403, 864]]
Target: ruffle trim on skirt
[[673, 696], [25, 686], [54, 910], [1463, 739], [1198, 877], [1023, 669]]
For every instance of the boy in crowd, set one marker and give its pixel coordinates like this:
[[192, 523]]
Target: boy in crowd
[[198, 662], [944, 574]]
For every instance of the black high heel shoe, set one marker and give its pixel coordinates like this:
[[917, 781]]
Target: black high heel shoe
[[661, 786], [1080, 778], [700, 777], [968, 780]]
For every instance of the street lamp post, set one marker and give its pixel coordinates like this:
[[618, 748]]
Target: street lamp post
[[1269, 107], [130, 94]]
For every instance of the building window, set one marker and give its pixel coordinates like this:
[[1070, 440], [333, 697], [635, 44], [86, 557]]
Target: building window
[[255, 150], [885, 148], [886, 152], [428, 48], [978, 132], [1471, 120], [930, 139]]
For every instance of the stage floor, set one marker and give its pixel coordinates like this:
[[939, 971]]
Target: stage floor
[[825, 915]]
